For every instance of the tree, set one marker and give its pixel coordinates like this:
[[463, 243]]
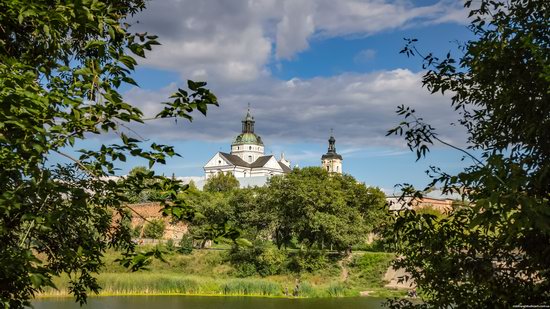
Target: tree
[[252, 213], [492, 252], [213, 216], [61, 65], [154, 229], [145, 195], [221, 182], [322, 210]]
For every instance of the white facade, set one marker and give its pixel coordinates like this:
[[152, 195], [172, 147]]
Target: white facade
[[247, 158], [332, 165], [248, 152]]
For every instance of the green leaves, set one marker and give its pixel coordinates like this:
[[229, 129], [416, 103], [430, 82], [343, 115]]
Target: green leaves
[[322, 211], [418, 134], [136, 261], [185, 103], [61, 63], [493, 251]]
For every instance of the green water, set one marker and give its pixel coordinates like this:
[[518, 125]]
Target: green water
[[198, 302]]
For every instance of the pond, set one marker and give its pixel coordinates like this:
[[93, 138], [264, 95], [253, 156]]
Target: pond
[[199, 302]]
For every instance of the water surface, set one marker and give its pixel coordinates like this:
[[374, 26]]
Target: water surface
[[201, 302]]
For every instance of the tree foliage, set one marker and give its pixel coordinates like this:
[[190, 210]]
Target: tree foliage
[[221, 182], [321, 210], [154, 229], [493, 252], [146, 195], [61, 65], [214, 216]]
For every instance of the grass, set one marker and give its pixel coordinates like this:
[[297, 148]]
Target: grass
[[206, 272], [368, 269]]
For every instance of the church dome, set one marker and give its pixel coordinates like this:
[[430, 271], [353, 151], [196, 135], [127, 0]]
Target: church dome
[[248, 138]]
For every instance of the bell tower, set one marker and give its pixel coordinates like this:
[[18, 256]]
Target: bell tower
[[332, 161], [248, 145]]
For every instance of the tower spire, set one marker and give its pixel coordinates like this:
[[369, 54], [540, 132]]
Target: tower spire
[[332, 161], [331, 142], [248, 122]]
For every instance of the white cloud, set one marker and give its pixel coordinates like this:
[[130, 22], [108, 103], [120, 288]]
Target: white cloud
[[233, 41], [295, 27], [230, 43], [212, 39], [360, 107]]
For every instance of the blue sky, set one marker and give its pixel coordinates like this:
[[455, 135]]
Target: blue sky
[[305, 66]]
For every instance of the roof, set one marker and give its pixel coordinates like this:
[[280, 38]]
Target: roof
[[285, 168], [260, 162], [248, 138], [331, 155], [235, 160]]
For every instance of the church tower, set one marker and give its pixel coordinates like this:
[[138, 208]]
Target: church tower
[[247, 145], [331, 161]]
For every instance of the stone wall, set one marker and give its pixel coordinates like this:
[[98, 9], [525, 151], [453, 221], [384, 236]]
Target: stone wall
[[151, 211]]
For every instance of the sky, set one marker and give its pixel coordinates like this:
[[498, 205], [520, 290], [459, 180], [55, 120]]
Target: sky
[[305, 66]]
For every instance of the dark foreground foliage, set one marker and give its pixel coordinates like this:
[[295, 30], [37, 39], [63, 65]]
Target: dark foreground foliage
[[492, 252]]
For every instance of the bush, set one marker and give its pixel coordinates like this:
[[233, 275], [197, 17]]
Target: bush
[[371, 267], [154, 229], [186, 244], [136, 232], [263, 258], [245, 269], [170, 247], [307, 261]]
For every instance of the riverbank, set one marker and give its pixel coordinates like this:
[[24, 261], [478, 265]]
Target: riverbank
[[207, 273]]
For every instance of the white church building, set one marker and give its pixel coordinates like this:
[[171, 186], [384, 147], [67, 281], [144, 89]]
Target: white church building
[[247, 157]]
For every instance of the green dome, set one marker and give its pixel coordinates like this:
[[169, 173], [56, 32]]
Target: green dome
[[248, 138]]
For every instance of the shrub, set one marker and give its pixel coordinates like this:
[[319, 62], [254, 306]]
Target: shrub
[[307, 261], [136, 232], [186, 244], [371, 267], [245, 269], [262, 258], [154, 229], [170, 245]]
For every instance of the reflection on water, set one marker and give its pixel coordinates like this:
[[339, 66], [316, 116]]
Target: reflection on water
[[200, 302]]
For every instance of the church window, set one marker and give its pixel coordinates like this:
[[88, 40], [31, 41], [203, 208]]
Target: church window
[[249, 147], [327, 168], [337, 168], [250, 158]]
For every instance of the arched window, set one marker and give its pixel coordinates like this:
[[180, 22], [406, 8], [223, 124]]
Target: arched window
[[337, 168], [250, 158], [327, 168], [249, 147]]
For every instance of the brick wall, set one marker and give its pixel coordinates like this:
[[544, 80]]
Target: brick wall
[[151, 211]]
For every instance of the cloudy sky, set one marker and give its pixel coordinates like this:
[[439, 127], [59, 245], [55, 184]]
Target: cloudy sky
[[305, 66]]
